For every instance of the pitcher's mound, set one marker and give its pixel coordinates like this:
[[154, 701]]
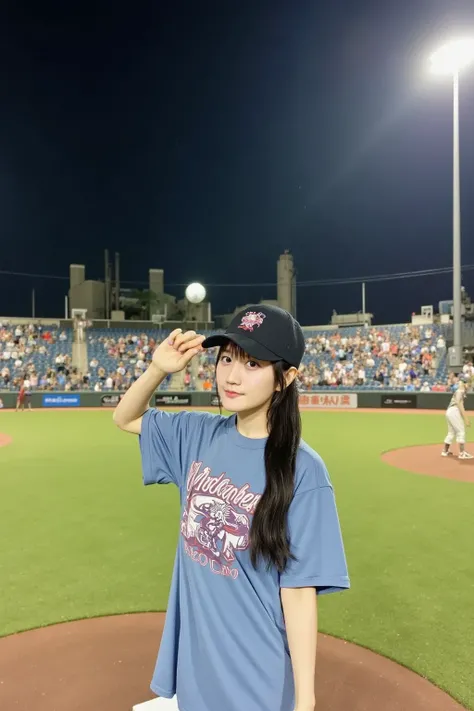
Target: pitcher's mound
[[427, 459], [106, 664]]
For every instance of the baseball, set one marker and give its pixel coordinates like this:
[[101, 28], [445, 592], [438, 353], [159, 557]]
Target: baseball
[[195, 293]]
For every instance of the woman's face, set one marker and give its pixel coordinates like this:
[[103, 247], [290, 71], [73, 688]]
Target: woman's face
[[244, 383]]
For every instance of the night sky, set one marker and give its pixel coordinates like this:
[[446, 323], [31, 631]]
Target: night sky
[[206, 137]]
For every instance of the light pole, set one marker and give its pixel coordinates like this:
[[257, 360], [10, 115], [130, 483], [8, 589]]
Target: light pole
[[451, 59]]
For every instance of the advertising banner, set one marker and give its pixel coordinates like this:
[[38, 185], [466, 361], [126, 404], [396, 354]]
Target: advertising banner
[[61, 400], [345, 401], [110, 400], [397, 401], [172, 400]]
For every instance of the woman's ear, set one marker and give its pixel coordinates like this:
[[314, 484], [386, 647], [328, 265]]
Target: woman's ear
[[290, 375]]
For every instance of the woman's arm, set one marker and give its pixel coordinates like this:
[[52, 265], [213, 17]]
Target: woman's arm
[[301, 621], [171, 356], [128, 413]]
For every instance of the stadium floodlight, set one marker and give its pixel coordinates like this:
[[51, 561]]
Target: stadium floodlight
[[451, 59]]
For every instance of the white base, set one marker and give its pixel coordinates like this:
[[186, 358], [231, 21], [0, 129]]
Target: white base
[[159, 704]]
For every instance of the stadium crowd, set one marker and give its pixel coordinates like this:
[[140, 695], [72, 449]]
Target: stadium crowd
[[404, 358], [399, 357], [40, 355], [116, 362]]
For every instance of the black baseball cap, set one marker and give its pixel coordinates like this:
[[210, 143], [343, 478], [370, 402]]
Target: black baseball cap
[[264, 332]]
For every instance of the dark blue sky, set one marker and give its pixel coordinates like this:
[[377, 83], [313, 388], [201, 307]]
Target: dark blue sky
[[205, 138]]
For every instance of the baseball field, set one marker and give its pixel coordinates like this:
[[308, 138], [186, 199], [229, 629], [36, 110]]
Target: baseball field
[[82, 537]]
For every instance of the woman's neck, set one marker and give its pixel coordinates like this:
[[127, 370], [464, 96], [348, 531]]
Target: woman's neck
[[253, 424]]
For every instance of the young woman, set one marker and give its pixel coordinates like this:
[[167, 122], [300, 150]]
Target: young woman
[[260, 534], [457, 422]]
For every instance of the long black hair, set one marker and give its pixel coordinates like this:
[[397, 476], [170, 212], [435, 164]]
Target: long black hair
[[269, 539]]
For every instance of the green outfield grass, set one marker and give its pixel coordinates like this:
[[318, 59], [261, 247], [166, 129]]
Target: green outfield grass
[[81, 536]]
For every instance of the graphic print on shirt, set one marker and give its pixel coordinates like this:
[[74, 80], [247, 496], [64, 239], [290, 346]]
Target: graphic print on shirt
[[216, 519]]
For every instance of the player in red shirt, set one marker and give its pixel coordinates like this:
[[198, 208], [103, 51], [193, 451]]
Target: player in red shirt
[[20, 402]]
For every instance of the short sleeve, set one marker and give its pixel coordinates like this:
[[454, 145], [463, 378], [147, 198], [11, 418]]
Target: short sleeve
[[316, 542], [162, 441]]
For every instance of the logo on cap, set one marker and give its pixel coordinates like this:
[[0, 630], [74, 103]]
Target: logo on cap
[[251, 320]]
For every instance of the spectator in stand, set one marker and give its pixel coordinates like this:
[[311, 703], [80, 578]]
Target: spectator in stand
[[109, 382], [468, 371], [6, 376], [441, 345], [379, 377]]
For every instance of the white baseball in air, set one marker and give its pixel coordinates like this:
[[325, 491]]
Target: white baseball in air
[[195, 293]]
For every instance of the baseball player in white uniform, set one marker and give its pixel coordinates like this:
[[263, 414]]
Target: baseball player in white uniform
[[457, 422]]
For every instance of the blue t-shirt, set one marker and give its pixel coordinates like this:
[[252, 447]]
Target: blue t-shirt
[[224, 645]]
